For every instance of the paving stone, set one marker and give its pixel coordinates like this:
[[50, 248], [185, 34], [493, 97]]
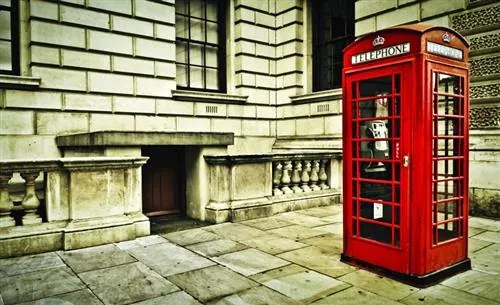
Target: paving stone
[[277, 273], [318, 260], [80, 297], [189, 237], [267, 223], [379, 285], [328, 243], [487, 259], [212, 282], [475, 245], [38, 285], [302, 219], [273, 244], [475, 231], [235, 231], [297, 232], [477, 283], [256, 296], [31, 263], [176, 298], [325, 211], [168, 259], [335, 228], [490, 236], [484, 223], [141, 242], [441, 295], [216, 247], [126, 284], [355, 296], [333, 218], [95, 258], [306, 286], [250, 261]]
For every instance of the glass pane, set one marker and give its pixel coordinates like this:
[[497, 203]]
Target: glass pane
[[182, 71], [354, 188], [211, 57], [354, 227], [5, 55], [375, 232], [376, 191], [446, 105], [445, 211], [212, 79], [212, 10], [445, 190], [376, 87], [181, 52], [354, 208], [197, 30], [376, 211], [447, 147], [447, 231], [196, 54], [376, 170], [5, 25], [196, 8], [212, 33], [448, 84], [448, 126], [181, 6], [181, 27], [196, 77], [446, 169]]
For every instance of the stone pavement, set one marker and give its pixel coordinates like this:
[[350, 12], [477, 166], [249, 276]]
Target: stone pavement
[[287, 259]]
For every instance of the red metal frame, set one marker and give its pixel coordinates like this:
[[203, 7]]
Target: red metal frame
[[433, 221]]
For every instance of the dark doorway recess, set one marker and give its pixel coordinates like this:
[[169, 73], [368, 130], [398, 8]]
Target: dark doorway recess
[[163, 181]]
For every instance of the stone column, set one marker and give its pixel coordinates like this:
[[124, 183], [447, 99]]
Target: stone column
[[5, 202], [30, 201], [314, 176], [277, 178], [306, 168], [296, 177], [285, 178], [323, 178]]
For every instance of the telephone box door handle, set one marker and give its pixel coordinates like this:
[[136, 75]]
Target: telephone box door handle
[[406, 161]]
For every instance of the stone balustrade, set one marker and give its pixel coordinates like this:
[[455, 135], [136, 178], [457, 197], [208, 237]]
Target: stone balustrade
[[69, 203], [300, 174]]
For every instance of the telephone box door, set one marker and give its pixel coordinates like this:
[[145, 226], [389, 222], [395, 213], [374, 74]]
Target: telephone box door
[[377, 166]]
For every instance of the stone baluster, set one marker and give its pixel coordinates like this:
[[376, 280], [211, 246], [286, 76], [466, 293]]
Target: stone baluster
[[306, 168], [277, 174], [6, 204], [296, 177], [285, 178], [323, 178], [314, 176], [30, 201]]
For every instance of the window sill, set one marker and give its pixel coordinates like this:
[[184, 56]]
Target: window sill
[[211, 97], [320, 96], [19, 82]]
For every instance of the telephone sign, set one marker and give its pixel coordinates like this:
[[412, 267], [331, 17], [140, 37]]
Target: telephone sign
[[405, 152]]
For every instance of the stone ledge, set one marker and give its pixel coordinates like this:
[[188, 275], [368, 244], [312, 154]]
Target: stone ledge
[[124, 138], [319, 96], [19, 82], [211, 97]]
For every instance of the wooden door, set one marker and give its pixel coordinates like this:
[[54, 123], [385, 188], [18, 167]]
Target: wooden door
[[163, 181]]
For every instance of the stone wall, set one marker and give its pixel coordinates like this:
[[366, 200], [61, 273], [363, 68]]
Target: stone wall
[[479, 22]]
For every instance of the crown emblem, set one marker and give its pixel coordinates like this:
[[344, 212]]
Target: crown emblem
[[446, 37], [378, 41]]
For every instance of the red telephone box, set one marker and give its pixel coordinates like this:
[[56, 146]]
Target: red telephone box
[[405, 152]]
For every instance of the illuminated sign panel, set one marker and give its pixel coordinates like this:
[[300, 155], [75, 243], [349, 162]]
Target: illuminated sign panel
[[381, 53], [442, 50]]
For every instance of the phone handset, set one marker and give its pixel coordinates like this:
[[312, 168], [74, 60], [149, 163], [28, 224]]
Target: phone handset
[[378, 130]]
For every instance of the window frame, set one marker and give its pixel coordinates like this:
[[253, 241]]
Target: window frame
[[347, 38], [221, 48], [14, 38]]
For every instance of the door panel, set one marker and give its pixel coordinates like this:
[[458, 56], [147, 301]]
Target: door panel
[[163, 181], [378, 170]]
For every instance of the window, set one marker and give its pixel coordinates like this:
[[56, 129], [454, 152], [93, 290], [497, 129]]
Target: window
[[200, 44], [333, 30], [9, 37]]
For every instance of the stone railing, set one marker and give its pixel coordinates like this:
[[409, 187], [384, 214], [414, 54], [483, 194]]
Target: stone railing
[[69, 203], [250, 186], [299, 174], [19, 202]]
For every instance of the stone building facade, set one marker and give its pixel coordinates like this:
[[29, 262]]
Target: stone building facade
[[115, 111]]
